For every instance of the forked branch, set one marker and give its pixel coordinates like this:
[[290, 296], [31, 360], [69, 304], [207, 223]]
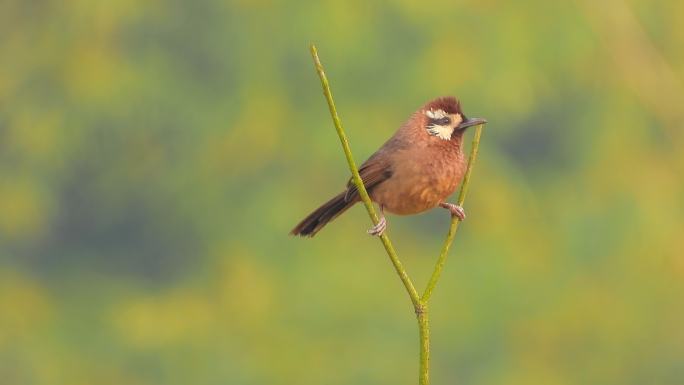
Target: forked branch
[[420, 303]]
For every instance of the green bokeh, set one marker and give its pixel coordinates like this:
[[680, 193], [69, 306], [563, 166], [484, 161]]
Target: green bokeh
[[154, 156]]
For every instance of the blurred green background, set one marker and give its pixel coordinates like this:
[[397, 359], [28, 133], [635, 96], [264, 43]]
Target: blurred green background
[[154, 156]]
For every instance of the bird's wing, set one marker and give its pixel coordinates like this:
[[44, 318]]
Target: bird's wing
[[373, 172]]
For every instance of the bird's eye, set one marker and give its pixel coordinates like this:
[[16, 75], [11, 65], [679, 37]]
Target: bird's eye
[[441, 121]]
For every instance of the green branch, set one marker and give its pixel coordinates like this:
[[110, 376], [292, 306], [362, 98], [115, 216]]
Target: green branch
[[420, 304], [356, 178], [453, 228], [423, 321]]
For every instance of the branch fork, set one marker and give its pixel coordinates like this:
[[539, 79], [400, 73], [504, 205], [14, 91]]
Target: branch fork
[[420, 302]]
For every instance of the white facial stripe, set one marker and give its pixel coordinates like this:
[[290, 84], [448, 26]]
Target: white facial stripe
[[435, 114], [456, 119]]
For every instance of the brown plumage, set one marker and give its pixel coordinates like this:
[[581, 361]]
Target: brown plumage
[[414, 171]]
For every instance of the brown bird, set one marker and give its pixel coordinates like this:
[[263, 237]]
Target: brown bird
[[414, 171]]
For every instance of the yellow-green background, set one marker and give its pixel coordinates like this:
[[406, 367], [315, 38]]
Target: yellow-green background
[[155, 154]]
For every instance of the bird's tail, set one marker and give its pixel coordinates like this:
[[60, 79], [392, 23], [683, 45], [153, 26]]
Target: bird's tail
[[313, 223]]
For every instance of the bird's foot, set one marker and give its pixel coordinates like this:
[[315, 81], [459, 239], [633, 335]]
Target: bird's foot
[[378, 229], [454, 209]]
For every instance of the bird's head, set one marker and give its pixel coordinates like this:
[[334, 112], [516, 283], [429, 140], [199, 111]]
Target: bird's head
[[444, 118]]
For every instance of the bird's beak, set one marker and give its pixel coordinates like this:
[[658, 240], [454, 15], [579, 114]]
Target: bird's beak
[[471, 122]]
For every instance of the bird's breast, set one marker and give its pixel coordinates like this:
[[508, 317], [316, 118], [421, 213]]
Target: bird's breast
[[420, 181]]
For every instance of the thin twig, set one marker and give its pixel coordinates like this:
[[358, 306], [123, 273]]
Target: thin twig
[[423, 320], [424, 340], [453, 228], [356, 178]]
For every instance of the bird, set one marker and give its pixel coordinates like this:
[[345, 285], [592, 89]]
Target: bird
[[415, 170]]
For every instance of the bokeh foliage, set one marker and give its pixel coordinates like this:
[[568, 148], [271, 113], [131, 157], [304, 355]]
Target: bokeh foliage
[[154, 155]]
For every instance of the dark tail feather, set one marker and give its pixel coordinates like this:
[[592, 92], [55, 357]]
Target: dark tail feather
[[322, 215]]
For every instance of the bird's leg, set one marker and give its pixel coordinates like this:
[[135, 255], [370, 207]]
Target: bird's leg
[[456, 210], [381, 226]]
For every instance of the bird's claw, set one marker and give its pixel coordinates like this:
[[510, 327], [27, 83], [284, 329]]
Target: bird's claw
[[455, 210], [378, 229]]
